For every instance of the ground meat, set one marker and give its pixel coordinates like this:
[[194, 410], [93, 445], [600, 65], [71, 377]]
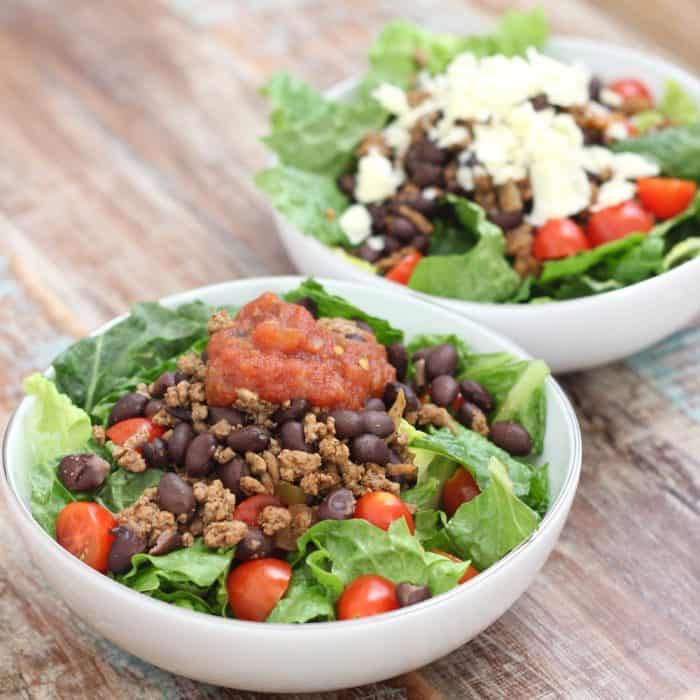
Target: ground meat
[[192, 365], [251, 486], [334, 452], [272, 519], [408, 471], [199, 412], [375, 480], [98, 434], [417, 219], [163, 419], [314, 430], [273, 468], [480, 423], [430, 414], [223, 454], [221, 430], [220, 321], [216, 502], [178, 395], [146, 519], [314, 483], [302, 518], [129, 459], [394, 259], [294, 464], [252, 404], [352, 474], [256, 462], [224, 534]]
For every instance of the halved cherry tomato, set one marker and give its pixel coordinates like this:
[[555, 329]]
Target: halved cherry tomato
[[402, 272], [367, 595], [471, 572], [84, 530], [665, 197], [120, 432], [617, 222], [255, 587], [249, 510], [459, 489], [631, 88], [559, 238], [382, 508]]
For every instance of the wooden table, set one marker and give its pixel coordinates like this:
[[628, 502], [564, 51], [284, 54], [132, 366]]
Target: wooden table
[[128, 136]]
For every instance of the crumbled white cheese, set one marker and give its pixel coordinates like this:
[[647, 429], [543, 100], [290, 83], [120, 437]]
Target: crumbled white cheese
[[614, 192], [560, 188], [376, 178], [610, 98], [565, 85], [465, 178], [429, 193], [376, 242], [392, 98], [356, 223], [450, 137], [616, 131], [397, 137], [632, 166]]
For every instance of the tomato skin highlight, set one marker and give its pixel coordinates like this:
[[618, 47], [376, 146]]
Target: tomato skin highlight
[[249, 510], [458, 489], [470, 573], [381, 509], [665, 197], [617, 222], [83, 529], [631, 88], [402, 272], [255, 587], [559, 238], [367, 595], [120, 432]]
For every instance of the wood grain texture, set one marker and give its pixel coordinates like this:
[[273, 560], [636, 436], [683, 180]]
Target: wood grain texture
[[128, 137]]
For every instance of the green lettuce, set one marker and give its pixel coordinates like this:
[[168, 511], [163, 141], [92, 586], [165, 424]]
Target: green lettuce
[[682, 252], [676, 105], [481, 274], [332, 306], [425, 495], [489, 526], [305, 600], [123, 488]]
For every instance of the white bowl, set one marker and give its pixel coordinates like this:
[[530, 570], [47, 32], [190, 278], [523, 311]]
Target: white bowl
[[311, 657], [568, 335]]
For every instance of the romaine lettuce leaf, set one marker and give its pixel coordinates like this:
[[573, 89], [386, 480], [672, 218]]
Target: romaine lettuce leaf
[[426, 493], [306, 600], [481, 274], [489, 526], [305, 199], [677, 105], [682, 252], [122, 487], [333, 306]]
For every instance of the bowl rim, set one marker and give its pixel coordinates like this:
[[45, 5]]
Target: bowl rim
[[109, 585], [566, 43]]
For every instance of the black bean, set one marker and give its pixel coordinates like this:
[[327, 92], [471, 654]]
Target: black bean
[[162, 384], [152, 407], [378, 214], [166, 542], [394, 458], [255, 545], [421, 204], [198, 460], [369, 448], [180, 412], [378, 423], [231, 472], [426, 151], [391, 245], [252, 438], [441, 360], [175, 495], [391, 392], [401, 228], [309, 304], [512, 438], [368, 253], [425, 175], [348, 424], [126, 544], [129, 406], [476, 393], [506, 220], [339, 504], [421, 243], [363, 325], [230, 415], [539, 102], [593, 137], [444, 390], [374, 405], [179, 441], [468, 414], [398, 357], [296, 410], [292, 436], [409, 594], [156, 454], [83, 472], [594, 87], [346, 184]]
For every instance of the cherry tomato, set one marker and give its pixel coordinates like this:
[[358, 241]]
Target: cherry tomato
[[471, 572], [255, 587], [84, 530], [665, 197], [382, 508], [459, 489], [367, 595], [559, 238], [120, 432], [617, 222], [631, 88], [402, 272], [249, 510]]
